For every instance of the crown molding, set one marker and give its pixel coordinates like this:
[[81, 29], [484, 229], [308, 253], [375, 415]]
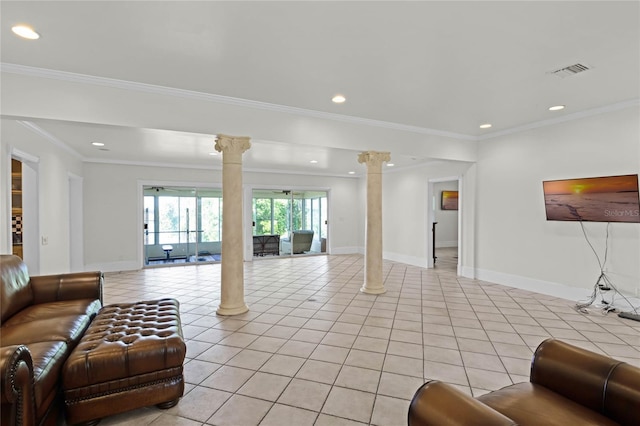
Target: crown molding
[[212, 168], [48, 136], [220, 99], [247, 103], [562, 119]]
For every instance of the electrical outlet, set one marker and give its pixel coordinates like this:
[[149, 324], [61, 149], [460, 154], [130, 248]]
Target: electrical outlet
[[45, 240]]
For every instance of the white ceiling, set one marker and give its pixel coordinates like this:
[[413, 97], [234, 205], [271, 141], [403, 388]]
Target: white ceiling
[[430, 68]]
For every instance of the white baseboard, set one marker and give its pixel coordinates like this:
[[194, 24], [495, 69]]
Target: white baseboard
[[445, 244], [112, 266], [347, 250], [543, 287], [402, 258]]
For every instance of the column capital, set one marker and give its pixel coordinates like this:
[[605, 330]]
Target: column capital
[[232, 144], [374, 158]]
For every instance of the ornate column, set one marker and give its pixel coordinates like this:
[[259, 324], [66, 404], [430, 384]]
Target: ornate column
[[232, 277], [373, 256]]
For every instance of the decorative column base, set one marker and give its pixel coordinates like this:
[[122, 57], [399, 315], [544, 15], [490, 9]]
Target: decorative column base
[[229, 310], [374, 290]]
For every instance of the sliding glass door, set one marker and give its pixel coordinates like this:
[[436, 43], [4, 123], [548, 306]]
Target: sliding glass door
[[181, 225], [287, 222]]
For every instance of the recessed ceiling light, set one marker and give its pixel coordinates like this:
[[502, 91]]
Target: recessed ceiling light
[[313, 161], [338, 99], [352, 173], [485, 126], [390, 164], [213, 153], [25, 31], [97, 144], [556, 108]]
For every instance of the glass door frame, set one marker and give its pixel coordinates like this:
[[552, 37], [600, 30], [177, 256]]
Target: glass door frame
[[187, 251], [321, 237]]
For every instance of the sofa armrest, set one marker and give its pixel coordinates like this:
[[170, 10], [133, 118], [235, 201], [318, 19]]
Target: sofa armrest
[[78, 285], [16, 366], [437, 403], [575, 373]]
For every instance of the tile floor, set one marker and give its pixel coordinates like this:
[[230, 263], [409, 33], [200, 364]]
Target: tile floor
[[314, 350]]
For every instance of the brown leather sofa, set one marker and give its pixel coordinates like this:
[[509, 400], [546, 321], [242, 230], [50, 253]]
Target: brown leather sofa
[[568, 386], [43, 319]]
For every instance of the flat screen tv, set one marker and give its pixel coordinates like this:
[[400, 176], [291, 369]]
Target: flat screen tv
[[594, 199]]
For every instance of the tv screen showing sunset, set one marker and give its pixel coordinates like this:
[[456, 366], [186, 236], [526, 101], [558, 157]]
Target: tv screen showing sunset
[[600, 199]]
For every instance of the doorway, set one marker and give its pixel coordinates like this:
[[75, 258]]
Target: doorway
[[181, 225], [25, 229], [444, 217], [289, 222]]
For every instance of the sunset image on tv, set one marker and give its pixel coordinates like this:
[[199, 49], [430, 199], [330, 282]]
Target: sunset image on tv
[[600, 199]]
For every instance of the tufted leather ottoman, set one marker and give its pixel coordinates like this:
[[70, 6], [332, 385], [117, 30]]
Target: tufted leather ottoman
[[130, 357]]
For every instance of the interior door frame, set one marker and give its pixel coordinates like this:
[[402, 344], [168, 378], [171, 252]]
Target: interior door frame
[[432, 200], [30, 207]]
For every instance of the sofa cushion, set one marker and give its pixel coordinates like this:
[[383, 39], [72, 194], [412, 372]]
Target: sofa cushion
[[89, 307], [68, 329], [15, 291], [530, 404], [48, 360]]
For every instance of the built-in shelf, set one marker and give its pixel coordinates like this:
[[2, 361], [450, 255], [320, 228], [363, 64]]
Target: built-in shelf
[[16, 207]]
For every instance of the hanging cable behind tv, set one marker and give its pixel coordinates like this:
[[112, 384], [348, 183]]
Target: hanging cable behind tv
[[604, 284]]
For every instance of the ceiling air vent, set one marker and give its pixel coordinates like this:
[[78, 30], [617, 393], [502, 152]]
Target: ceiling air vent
[[570, 70]]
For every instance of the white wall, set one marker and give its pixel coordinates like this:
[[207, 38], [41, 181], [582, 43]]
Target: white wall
[[447, 227], [515, 243], [406, 209], [54, 165], [113, 210]]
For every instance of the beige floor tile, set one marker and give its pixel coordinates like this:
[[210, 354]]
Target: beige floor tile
[[449, 356], [327, 420], [169, 420], [319, 371], [485, 379], [482, 361], [330, 354], [389, 411], [305, 394], [346, 328], [339, 339], [371, 344], [449, 373], [241, 410], [403, 365], [365, 359], [350, 404], [238, 340], [195, 371], [200, 403], [377, 332], [399, 386], [228, 378], [284, 415], [358, 378], [219, 354], [283, 364], [281, 331], [309, 336], [406, 336], [212, 335], [264, 386], [299, 349], [267, 344]]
